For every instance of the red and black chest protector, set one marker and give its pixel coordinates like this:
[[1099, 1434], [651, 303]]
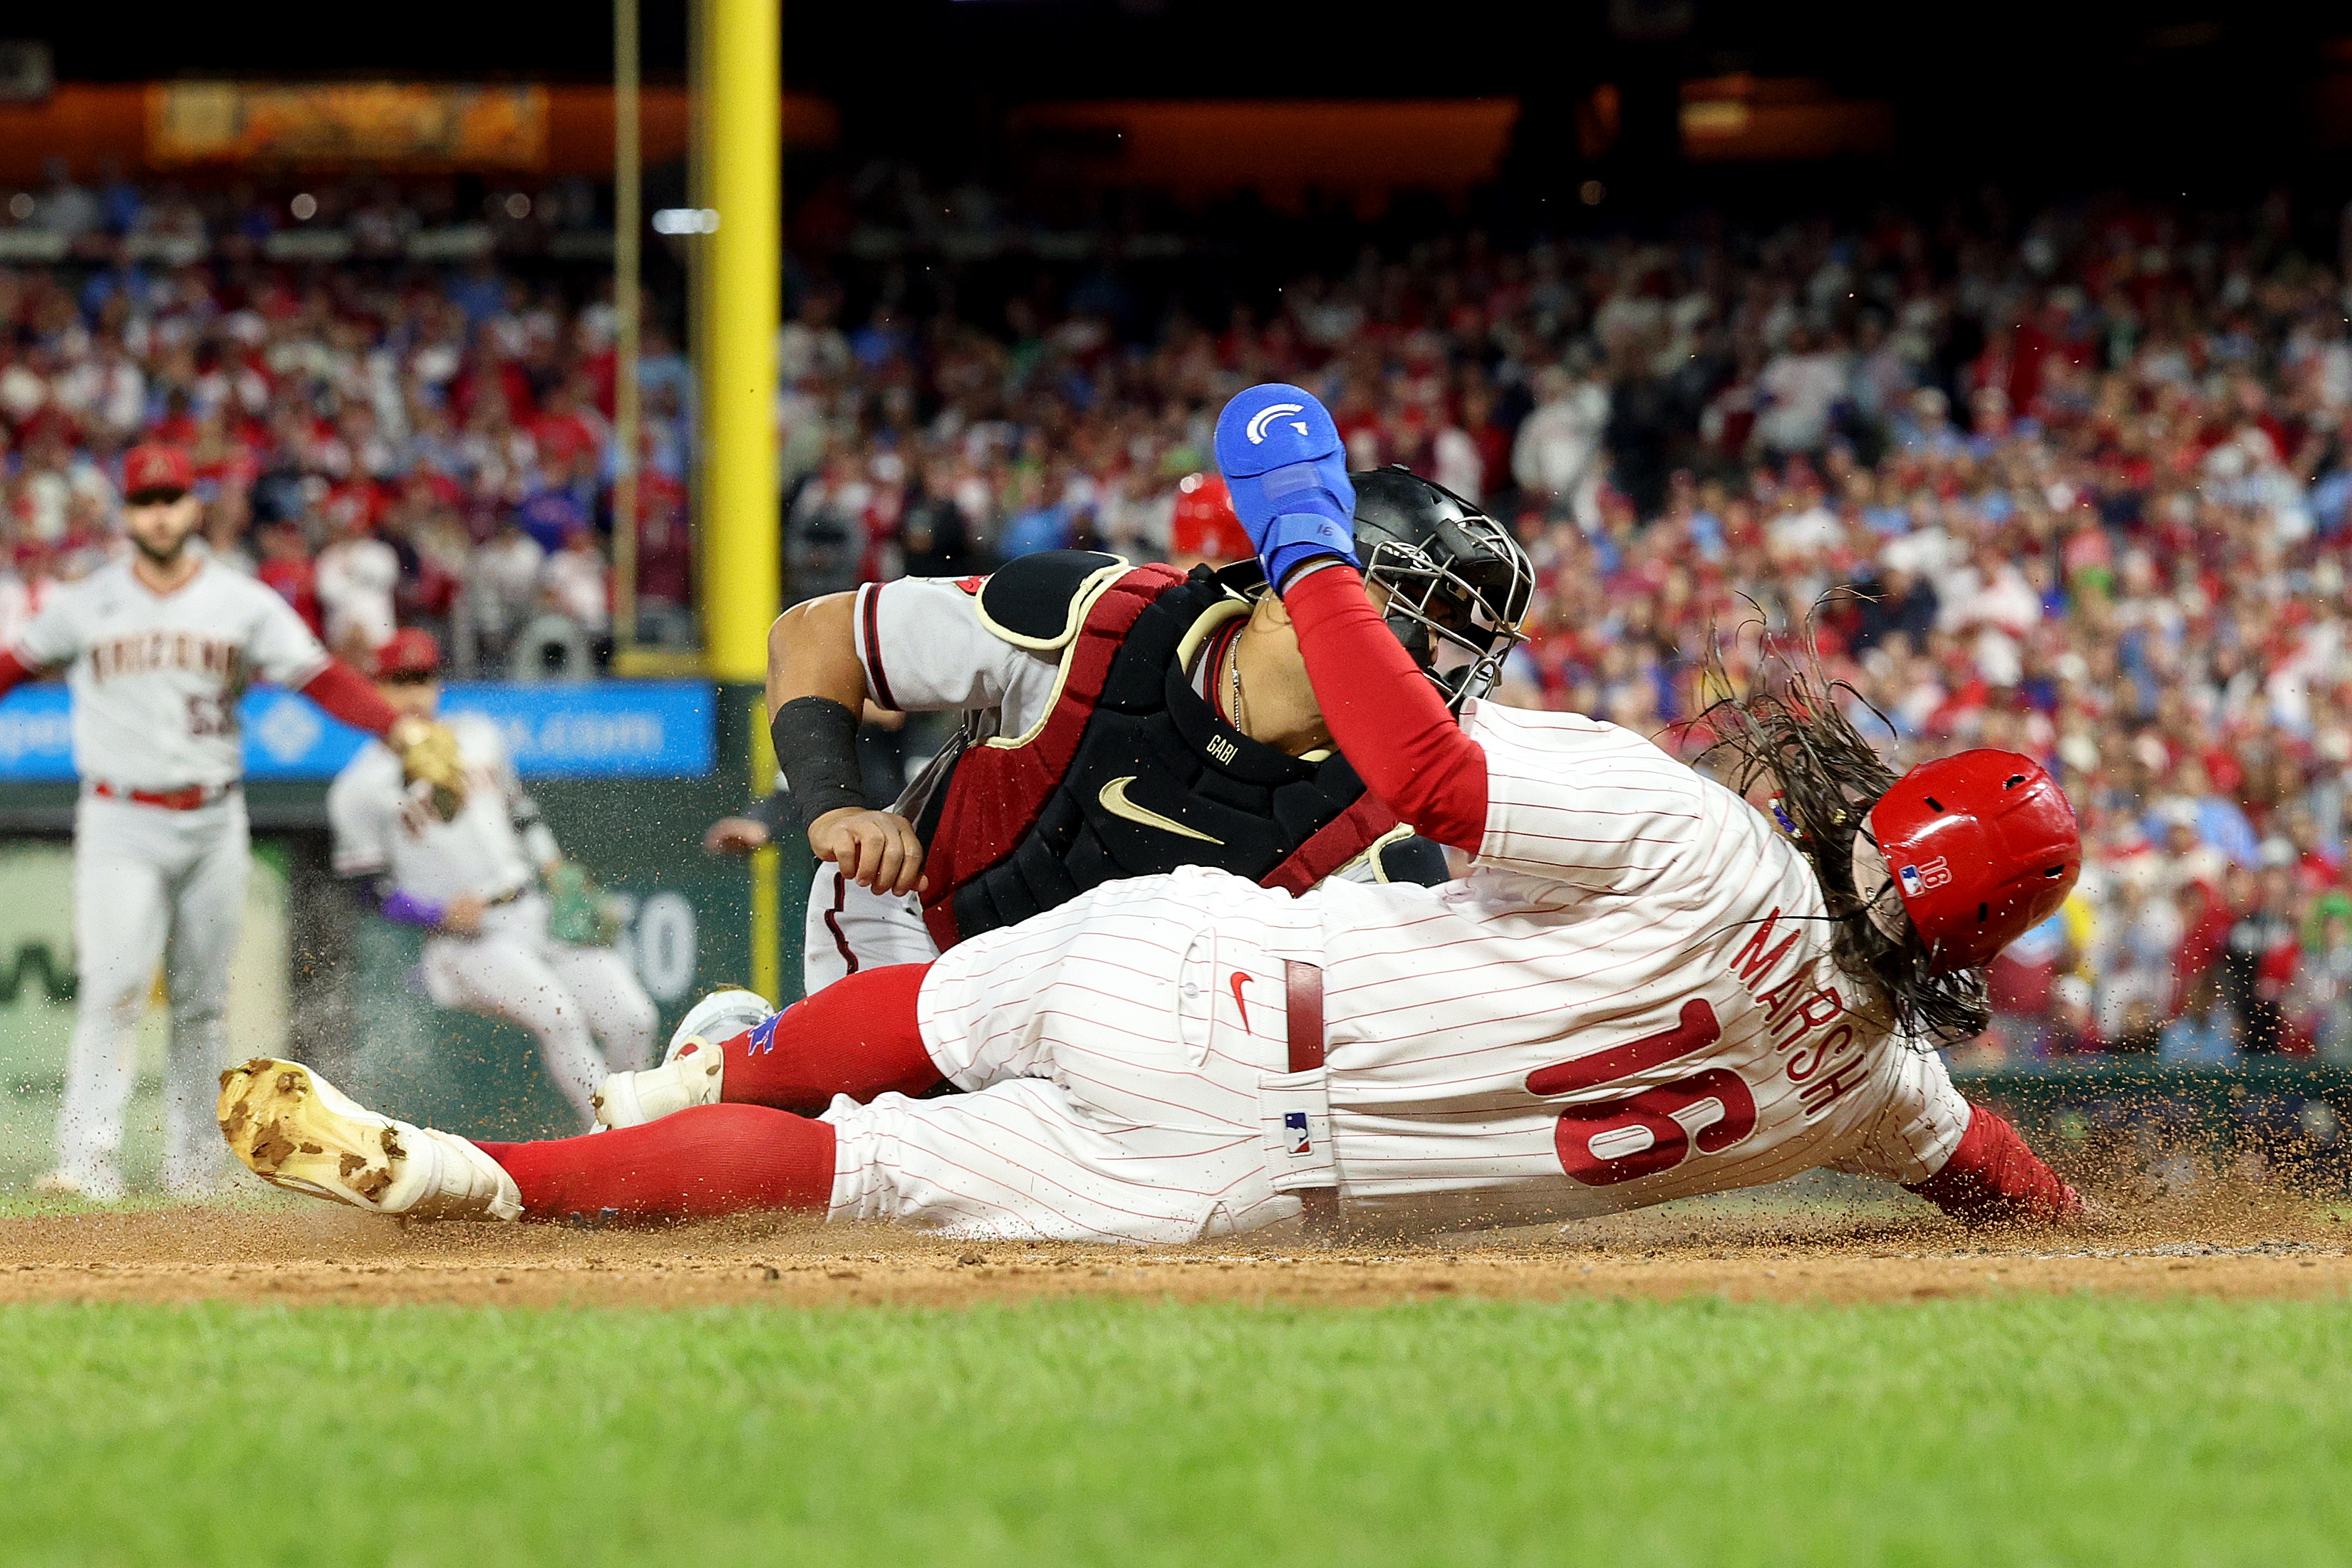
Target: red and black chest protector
[[1130, 772]]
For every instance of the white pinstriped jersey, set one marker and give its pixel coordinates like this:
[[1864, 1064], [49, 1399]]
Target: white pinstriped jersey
[[1629, 1001]]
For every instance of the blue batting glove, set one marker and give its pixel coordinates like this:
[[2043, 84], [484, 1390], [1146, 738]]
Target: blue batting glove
[[1287, 470]]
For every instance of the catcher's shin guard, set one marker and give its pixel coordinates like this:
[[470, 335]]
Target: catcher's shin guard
[[293, 1129]]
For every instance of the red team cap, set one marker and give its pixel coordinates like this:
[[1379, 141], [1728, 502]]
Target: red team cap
[[1982, 847], [152, 465], [1204, 523], [407, 653]]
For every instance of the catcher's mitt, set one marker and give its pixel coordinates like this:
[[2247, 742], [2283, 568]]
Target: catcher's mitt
[[578, 912], [428, 752]]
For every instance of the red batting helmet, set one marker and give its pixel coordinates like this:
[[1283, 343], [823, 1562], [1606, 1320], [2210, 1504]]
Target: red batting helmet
[[1982, 847], [405, 655], [155, 465], [1204, 510]]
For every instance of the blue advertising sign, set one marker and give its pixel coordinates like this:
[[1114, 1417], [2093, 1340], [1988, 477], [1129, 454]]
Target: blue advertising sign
[[603, 729]]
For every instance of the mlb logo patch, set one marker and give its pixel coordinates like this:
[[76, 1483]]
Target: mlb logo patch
[[1294, 1124], [763, 1037], [1918, 878]]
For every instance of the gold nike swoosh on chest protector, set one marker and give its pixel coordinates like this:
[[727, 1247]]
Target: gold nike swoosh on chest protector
[[1114, 801]]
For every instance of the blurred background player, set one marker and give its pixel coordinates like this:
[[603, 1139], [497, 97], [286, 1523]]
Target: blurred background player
[[1118, 722], [161, 645], [1203, 531], [494, 944]]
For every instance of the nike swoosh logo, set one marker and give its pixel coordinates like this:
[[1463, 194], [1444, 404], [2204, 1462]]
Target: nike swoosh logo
[[1240, 980], [1114, 801]]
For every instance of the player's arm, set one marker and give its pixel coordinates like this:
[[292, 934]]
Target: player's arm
[[1963, 1157], [15, 672], [363, 829], [1286, 470], [349, 696], [48, 641], [1991, 1177], [1383, 713], [817, 690], [914, 644]]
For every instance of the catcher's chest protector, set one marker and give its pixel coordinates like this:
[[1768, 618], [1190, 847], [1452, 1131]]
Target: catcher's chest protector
[[1130, 772]]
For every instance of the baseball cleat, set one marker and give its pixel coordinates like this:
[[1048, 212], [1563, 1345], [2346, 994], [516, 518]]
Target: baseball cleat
[[723, 1014], [293, 1129], [101, 1184], [690, 1078]]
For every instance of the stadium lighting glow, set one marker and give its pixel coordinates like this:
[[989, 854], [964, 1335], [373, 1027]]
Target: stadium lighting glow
[[687, 221]]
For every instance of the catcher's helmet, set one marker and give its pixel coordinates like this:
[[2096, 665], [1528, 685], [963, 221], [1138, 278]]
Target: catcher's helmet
[[1458, 584], [1981, 847]]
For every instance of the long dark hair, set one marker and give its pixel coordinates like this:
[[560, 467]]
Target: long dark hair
[[1826, 776]]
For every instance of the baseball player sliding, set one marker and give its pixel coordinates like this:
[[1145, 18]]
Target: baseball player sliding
[[470, 881], [160, 647], [1645, 988]]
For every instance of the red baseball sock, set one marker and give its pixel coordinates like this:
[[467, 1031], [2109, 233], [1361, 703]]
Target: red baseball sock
[[711, 1160], [856, 1037]]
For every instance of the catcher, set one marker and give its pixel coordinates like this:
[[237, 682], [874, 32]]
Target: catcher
[[1118, 721], [462, 857], [1646, 990]]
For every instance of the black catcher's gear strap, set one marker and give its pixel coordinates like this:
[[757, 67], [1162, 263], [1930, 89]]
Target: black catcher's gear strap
[[816, 751]]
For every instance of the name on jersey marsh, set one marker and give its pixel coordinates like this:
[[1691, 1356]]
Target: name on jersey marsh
[[1825, 1062]]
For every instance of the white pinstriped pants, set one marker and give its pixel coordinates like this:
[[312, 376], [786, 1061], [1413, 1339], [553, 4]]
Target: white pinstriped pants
[[1113, 1051]]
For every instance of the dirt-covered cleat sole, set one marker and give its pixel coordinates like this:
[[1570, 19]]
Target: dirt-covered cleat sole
[[293, 1129], [288, 1133]]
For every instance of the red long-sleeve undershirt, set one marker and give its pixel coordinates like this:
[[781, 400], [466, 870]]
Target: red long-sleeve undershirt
[[1993, 1178], [1382, 712], [350, 696], [337, 688]]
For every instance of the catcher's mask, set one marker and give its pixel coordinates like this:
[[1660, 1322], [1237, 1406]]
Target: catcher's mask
[[1457, 584]]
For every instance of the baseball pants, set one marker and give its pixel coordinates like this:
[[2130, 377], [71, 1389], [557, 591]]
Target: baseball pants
[[851, 929], [569, 999], [1124, 1061], [1115, 1054], [151, 886]]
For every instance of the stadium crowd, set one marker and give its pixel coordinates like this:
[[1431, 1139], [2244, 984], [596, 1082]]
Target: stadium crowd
[[382, 442], [2073, 482]]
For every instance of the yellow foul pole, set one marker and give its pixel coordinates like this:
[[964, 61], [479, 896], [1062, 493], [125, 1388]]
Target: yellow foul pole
[[742, 68], [739, 60]]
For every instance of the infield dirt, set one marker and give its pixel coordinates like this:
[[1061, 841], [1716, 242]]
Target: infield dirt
[[2248, 1243]]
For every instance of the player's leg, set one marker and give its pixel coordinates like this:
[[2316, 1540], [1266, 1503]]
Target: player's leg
[[858, 1037], [501, 975], [1017, 1160], [121, 919], [207, 900], [620, 1015], [851, 929]]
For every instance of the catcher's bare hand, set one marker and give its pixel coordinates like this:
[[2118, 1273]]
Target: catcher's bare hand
[[463, 916], [735, 836], [873, 849]]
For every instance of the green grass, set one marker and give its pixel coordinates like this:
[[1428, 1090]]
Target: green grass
[[2027, 1429]]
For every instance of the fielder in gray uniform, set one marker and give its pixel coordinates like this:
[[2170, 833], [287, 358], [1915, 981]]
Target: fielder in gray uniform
[[471, 883], [161, 646]]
